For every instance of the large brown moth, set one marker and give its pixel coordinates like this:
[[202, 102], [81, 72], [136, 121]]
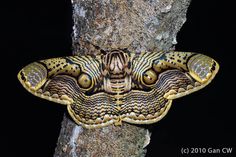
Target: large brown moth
[[119, 85]]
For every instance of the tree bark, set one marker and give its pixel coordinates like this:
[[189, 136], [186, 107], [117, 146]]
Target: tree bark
[[135, 25]]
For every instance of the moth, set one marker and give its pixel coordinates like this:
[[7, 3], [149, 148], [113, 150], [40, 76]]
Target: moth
[[118, 86]]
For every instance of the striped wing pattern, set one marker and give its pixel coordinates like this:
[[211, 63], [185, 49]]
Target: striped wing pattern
[[118, 86]]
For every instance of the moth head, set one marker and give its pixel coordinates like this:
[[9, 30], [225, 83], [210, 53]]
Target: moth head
[[116, 64]]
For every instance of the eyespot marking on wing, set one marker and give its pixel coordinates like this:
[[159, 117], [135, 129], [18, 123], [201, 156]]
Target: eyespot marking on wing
[[137, 89]]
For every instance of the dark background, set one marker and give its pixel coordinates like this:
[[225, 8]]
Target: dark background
[[42, 29]]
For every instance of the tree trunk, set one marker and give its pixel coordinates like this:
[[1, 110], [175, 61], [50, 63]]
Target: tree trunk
[[135, 25]]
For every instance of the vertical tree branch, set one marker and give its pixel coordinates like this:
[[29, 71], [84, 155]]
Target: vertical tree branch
[[137, 25]]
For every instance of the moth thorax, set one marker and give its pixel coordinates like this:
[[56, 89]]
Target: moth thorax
[[117, 86], [116, 72], [116, 64]]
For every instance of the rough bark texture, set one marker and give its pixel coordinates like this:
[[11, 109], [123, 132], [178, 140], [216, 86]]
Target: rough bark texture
[[136, 25], [119, 141]]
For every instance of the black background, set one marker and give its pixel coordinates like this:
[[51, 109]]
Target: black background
[[42, 29]]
